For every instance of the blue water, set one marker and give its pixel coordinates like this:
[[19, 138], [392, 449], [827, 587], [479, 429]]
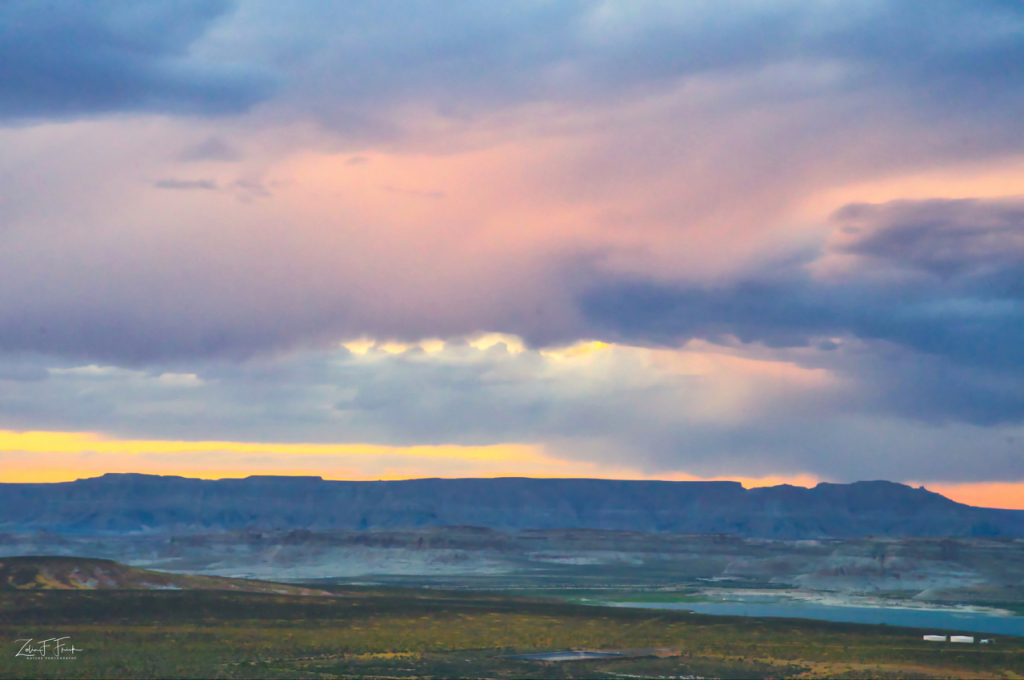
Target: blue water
[[915, 618]]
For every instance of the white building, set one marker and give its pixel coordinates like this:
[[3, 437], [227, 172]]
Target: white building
[[935, 638], [961, 638]]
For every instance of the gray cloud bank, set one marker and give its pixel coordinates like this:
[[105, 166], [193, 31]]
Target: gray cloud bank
[[620, 412], [68, 59], [350, 64], [938, 290]]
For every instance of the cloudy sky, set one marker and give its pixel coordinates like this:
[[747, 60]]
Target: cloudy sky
[[774, 241]]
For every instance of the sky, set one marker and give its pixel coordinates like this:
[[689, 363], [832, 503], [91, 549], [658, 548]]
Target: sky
[[772, 241]]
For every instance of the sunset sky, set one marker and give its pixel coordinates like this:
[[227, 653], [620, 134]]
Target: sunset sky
[[772, 241]]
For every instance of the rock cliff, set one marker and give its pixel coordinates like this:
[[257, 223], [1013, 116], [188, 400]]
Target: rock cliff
[[131, 502]]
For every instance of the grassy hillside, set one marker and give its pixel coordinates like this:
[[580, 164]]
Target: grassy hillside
[[77, 573]]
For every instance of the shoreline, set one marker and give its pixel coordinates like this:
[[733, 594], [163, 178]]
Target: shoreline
[[855, 600]]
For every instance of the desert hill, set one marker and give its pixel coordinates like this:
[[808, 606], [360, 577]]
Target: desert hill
[[120, 503], [79, 573]]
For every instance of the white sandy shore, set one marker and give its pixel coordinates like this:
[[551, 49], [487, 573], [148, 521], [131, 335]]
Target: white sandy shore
[[837, 599]]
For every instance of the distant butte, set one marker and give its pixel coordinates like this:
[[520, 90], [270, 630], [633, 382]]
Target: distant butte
[[120, 503]]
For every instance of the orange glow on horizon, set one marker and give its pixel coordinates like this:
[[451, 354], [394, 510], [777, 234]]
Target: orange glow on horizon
[[90, 442], [35, 457], [47, 457], [1006, 495]]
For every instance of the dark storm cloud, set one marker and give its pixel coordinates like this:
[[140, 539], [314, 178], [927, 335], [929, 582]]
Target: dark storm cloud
[[973, 327], [952, 57], [66, 59], [963, 240], [348, 64], [956, 323], [956, 63]]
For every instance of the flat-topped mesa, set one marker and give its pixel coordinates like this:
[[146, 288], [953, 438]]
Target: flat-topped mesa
[[134, 502]]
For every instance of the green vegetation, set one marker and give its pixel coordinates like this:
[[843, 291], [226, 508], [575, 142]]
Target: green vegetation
[[427, 633], [82, 573]]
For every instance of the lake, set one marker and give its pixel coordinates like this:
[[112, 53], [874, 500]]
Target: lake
[[977, 622]]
